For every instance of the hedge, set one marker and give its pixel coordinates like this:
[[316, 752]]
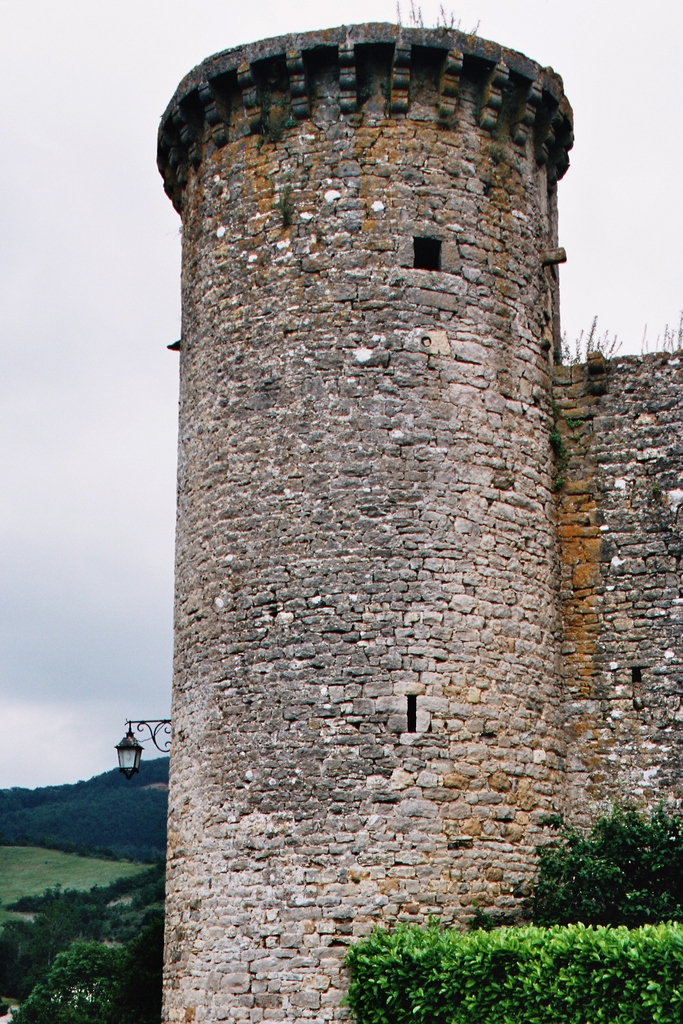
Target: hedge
[[568, 974]]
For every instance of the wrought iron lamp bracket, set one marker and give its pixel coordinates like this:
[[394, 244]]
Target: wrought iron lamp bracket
[[159, 732]]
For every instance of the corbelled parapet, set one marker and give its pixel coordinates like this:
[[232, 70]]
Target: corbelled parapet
[[363, 72]]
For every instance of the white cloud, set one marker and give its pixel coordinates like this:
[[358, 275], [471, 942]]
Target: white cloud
[[89, 299], [58, 741]]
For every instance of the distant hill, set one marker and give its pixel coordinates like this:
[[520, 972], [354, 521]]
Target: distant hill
[[108, 813], [27, 871], [127, 900]]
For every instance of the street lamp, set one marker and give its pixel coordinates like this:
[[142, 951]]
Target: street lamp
[[130, 750]]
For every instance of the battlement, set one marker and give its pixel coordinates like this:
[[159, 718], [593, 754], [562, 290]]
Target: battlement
[[363, 74]]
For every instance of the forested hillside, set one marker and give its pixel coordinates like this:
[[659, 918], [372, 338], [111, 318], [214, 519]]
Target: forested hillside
[[108, 813], [124, 911]]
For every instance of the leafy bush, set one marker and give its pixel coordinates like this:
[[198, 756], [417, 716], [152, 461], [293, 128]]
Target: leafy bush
[[627, 871], [529, 975]]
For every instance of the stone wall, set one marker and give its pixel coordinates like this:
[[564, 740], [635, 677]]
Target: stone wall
[[405, 628], [367, 716], [620, 499]]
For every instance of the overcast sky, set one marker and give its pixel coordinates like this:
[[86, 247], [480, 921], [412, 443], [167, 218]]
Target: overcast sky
[[89, 299]]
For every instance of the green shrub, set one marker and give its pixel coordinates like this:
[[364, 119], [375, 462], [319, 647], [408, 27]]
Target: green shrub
[[557, 444], [528, 975], [627, 871]]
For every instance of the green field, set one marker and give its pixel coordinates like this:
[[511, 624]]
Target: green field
[[30, 870]]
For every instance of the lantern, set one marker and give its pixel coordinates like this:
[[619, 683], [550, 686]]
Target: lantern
[[130, 752]]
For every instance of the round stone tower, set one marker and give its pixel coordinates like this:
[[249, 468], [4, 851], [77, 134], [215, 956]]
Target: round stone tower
[[366, 725]]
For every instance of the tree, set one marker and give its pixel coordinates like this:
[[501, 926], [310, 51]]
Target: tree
[[628, 870], [81, 987], [141, 976], [28, 950]]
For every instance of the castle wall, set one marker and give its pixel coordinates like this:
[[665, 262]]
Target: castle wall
[[365, 520], [620, 504]]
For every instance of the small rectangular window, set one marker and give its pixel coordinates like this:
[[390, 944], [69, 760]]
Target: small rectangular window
[[427, 253], [412, 712], [636, 675]]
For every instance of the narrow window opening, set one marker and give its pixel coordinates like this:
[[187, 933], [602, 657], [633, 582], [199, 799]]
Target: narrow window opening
[[427, 253], [412, 712], [636, 675]]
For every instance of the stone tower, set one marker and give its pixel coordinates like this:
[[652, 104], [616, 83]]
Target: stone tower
[[367, 609]]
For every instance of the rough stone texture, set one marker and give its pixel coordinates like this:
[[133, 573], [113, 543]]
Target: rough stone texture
[[622, 588], [367, 521]]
